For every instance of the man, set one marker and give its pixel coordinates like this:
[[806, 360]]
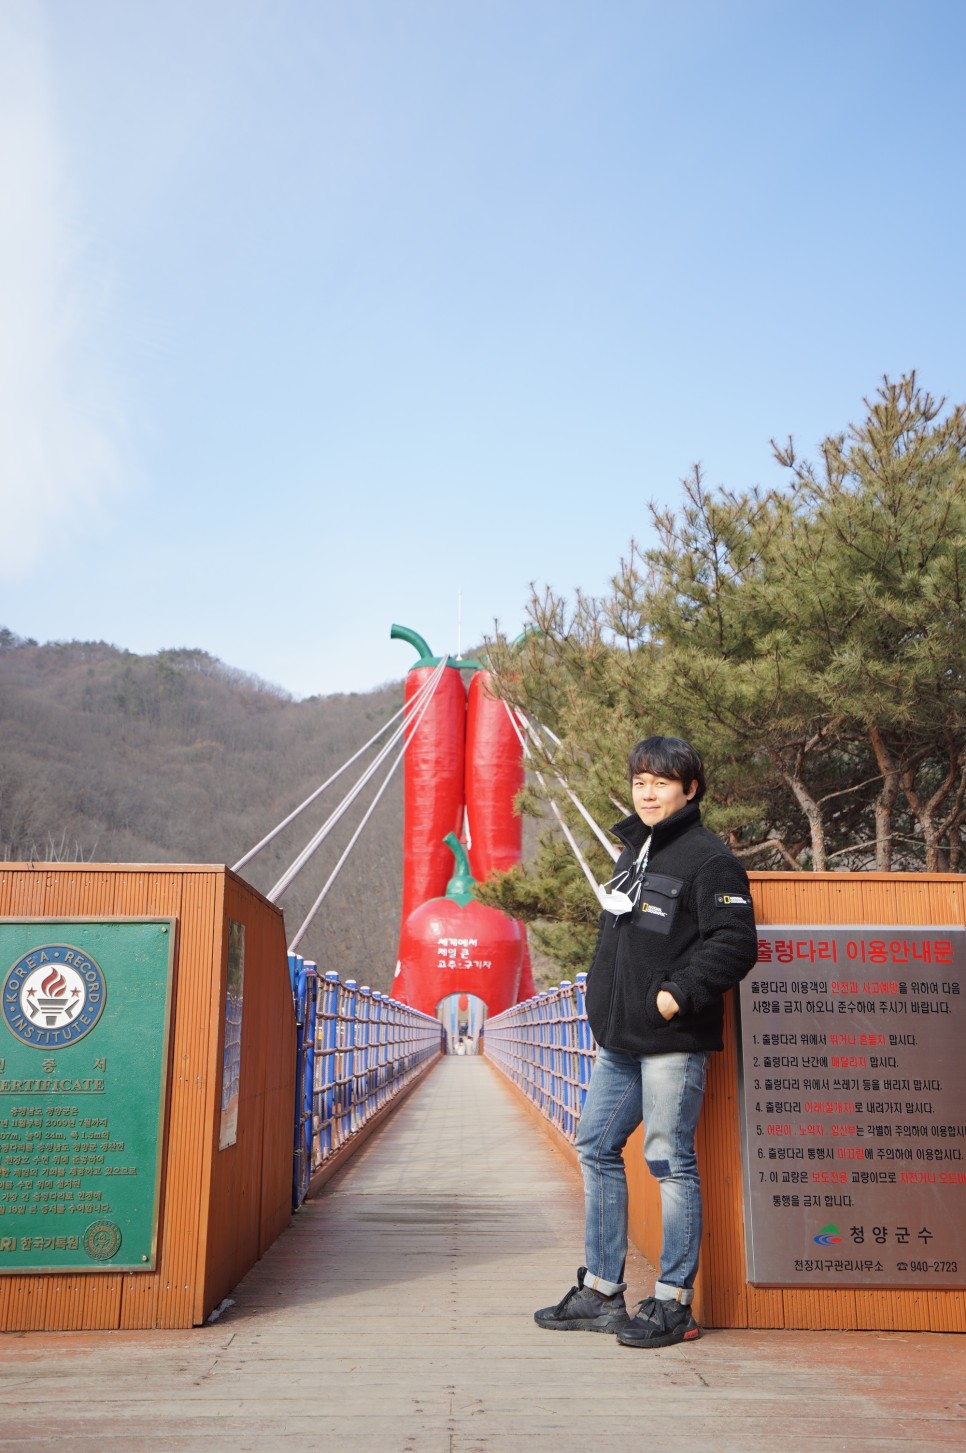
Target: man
[[677, 931]]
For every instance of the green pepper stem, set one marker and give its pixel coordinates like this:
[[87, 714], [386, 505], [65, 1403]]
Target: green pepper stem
[[403, 633], [426, 657], [460, 886]]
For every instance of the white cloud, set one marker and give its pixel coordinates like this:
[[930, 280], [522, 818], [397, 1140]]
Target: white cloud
[[59, 423]]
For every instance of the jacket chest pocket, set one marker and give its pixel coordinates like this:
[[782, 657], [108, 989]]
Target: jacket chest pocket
[[658, 905]]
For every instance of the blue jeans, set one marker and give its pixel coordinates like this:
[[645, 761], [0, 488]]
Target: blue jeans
[[666, 1092]]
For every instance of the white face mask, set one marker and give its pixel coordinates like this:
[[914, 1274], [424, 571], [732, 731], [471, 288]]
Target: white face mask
[[620, 894]]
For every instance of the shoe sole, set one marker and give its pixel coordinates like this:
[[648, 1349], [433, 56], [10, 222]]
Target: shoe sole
[[580, 1324], [669, 1339]]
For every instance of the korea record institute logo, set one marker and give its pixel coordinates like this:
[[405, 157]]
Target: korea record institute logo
[[102, 1240], [52, 996]]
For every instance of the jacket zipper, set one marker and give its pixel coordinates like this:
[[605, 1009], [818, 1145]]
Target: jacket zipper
[[619, 927]]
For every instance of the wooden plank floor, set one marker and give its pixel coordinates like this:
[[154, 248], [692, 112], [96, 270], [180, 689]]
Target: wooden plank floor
[[396, 1314]]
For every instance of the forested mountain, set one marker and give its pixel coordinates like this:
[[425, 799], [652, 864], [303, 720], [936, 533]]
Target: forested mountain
[[106, 756]]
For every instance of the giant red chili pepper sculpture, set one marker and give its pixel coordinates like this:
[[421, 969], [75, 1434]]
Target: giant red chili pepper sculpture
[[455, 945], [433, 774], [456, 746], [494, 776]]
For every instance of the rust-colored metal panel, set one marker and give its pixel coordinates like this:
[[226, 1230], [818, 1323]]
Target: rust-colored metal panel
[[250, 1190], [76, 1302], [202, 1251], [724, 1298], [169, 1302]]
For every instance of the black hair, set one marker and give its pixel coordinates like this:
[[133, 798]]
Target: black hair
[[668, 757]]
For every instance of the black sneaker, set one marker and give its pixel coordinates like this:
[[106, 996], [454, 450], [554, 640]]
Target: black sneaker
[[584, 1310], [659, 1323]]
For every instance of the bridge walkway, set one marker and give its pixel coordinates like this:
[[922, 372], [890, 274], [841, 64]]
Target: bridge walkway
[[394, 1316]]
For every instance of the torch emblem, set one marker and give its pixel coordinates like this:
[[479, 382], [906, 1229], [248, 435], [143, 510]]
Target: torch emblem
[[53, 996], [56, 997]]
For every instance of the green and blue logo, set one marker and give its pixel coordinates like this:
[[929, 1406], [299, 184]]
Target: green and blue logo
[[828, 1236]]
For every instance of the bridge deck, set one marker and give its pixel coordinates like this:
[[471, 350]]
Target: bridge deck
[[395, 1314]]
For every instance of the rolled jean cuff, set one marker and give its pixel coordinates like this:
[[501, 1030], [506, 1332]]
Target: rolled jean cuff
[[606, 1288], [664, 1292]]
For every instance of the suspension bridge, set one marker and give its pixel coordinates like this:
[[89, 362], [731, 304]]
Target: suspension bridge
[[436, 1198]]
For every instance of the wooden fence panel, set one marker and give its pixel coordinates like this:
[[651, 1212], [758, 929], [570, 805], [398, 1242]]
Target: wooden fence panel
[[217, 1213]]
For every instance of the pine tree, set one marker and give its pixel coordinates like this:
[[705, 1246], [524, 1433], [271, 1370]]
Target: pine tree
[[810, 641]]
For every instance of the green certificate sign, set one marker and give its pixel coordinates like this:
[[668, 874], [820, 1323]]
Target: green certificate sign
[[84, 1009]]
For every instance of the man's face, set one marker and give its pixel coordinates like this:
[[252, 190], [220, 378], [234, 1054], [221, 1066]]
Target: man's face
[[658, 797]]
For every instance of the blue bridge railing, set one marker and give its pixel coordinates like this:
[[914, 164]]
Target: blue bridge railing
[[545, 1046], [357, 1050]]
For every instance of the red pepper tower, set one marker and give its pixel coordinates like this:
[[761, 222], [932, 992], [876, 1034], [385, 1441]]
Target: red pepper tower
[[432, 773], [464, 758], [456, 945], [494, 776]]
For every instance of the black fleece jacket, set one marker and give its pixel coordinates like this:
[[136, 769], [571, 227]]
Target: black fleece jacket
[[692, 932]]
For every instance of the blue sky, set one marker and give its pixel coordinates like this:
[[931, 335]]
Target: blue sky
[[316, 316]]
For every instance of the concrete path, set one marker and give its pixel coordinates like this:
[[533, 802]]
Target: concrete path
[[395, 1316]]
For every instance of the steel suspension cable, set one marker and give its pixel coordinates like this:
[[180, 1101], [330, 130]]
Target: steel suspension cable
[[572, 841], [348, 849], [365, 818], [269, 837], [292, 872], [598, 831], [622, 807]]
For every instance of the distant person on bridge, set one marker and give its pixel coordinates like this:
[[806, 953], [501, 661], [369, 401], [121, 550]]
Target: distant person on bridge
[[676, 932]]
